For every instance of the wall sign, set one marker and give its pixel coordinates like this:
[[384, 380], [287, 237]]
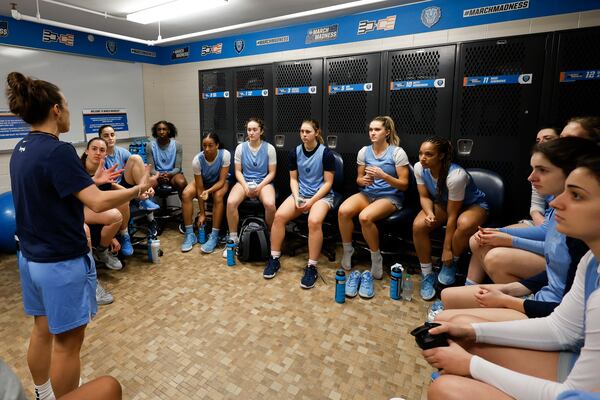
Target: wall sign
[[355, 87], [94, 118], [583, 75], [295, 90]]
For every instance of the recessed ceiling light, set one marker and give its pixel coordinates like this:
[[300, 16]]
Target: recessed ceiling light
[[172, 9]]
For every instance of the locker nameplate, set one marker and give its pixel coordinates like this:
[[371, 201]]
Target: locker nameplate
[[521, 79]]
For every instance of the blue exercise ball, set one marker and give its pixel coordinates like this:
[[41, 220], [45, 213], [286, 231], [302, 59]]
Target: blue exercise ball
[[8, 223]]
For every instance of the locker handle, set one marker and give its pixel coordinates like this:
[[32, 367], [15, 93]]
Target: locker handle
[[279, 140], [464, 147], [332, 141], [240, 137]]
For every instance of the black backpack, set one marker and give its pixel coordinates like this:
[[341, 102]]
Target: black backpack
[[254, 240]]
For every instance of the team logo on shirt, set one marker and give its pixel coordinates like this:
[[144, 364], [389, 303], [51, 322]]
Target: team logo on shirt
[[111, 47], [255, 164], [307, 170]]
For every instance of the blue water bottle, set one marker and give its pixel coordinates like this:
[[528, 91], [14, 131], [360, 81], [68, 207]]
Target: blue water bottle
[[230, 252], [340, 286], [396, 281], [201, 235]]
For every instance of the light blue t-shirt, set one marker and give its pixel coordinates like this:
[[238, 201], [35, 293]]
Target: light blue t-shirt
[[120, 157], [255, 167], [164, 157]]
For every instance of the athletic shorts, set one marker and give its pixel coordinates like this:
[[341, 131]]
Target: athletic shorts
[[63, 291], [395, 200], [328, 198], [566, 362], [126, 184]]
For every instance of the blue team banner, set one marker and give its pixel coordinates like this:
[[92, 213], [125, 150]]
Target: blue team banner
[[93, 119], [215, 95], [355, 87], [12, 126], [418, 84], [295, 90], [583, 75], [253, 93], [521, 79]]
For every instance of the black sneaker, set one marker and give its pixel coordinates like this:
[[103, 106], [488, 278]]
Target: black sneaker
[[310, 277], [271, 268]]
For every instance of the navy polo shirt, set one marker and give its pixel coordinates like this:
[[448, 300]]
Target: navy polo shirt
[[45, 173]]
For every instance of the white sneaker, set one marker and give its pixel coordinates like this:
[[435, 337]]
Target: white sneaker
[[109, 259], [102, 296]]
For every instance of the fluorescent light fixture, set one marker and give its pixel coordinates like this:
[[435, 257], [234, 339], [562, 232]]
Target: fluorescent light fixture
[[173, 9]]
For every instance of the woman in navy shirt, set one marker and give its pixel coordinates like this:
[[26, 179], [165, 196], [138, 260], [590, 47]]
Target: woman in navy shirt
[[58, 275]]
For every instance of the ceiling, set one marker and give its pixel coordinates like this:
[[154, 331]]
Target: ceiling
[[235, 12]]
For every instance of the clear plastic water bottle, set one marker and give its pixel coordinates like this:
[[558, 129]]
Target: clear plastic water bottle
[[407, 288], [201, 234], [396, 281], [340, 286], [230, 253]]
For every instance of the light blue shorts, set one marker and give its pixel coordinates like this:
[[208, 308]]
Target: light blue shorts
[[63, 291], [395, 200]]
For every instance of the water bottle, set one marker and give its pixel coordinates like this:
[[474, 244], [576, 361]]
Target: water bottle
[[230, 253], [340, 286], [396, 281], [154, 250], [407, 288], [201, 235]]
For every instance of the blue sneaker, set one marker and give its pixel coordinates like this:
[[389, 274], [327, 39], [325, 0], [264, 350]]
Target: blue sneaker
[[148, 205], [428, 286], [436, 308], [309, 278], [126, 247], [366, 290], [271, 268], [447, 275], [352, 284], [210, 244], [189, 240]]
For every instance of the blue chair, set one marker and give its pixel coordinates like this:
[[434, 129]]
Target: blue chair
[[330, 224]]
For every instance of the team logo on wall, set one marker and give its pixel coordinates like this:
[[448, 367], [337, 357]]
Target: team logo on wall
[[3, 28], [384, 24], [183, 52], [430, 16], [239, 45], [68, 39], [111, 47], [214, 49], [322, 34]]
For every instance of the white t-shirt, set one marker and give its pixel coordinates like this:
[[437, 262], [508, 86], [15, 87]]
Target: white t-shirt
[[560, 331], [456, 182], [400, 157], [198, 169], [270, 151]]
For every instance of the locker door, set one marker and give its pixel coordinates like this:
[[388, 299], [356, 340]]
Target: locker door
[[576, 79], [497, 96], [298, 95], [419, 94], [253, 97], [351, 102], [216, 103]]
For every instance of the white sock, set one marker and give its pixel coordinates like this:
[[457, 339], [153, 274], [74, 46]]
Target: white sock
[[376, 264], [150, 216], [312, 262], [124, 232], [215, 232], [233, 236], [275, 254], [44, 392], [347, 256], [426, 268], [469, 282]]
